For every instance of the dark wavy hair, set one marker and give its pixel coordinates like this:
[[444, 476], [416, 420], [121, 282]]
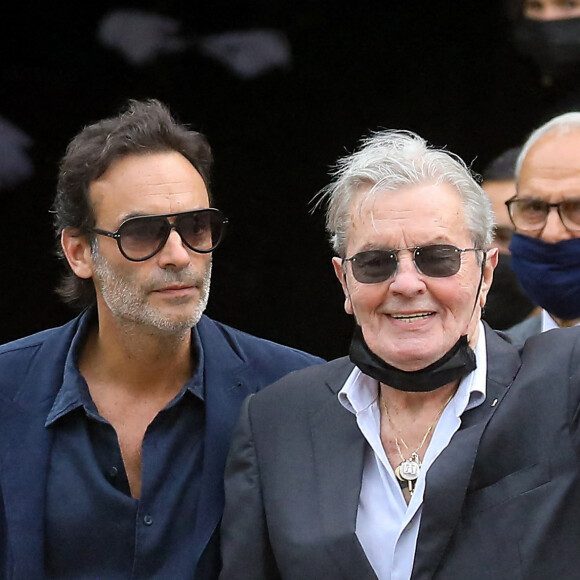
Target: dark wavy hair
[[143, 127]]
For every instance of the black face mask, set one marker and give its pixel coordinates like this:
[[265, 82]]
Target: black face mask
[[454, 365], [554, 45], [506, 303]]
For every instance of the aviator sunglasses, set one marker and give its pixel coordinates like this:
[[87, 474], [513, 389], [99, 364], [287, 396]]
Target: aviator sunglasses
[[435, 261], [140, 238]]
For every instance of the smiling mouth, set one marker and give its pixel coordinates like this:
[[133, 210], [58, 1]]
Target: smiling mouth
[[412, 317]]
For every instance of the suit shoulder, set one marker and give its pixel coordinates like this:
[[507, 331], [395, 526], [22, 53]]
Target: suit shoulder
[[31, 342], [550, 353], [266, 361], [523, 330], [334, 370], [308, 384], [42, 354], [563, 339], [249, 346]]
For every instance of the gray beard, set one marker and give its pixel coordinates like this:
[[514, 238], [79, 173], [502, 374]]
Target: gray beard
[[128, 302]]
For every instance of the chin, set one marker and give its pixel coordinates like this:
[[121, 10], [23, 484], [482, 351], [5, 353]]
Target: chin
[[173, 326], [168, 322], [412, 359]]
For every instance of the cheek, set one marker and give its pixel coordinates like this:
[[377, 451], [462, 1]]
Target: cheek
[[129, 275], [365, 299], [461, 299], [452, 295]]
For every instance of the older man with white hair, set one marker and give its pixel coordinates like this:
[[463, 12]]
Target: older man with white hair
[[437, 451]]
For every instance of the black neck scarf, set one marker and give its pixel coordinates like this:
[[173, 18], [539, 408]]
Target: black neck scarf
[[457, 363]]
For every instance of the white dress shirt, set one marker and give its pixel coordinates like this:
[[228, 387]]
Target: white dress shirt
[[386, 526]]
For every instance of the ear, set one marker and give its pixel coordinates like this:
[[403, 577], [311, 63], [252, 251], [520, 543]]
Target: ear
[[490, 264], [341, 275], [77, 251]]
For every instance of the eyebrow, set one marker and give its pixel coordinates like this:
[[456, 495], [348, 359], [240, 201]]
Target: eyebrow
[[434, 242], [137, 214]]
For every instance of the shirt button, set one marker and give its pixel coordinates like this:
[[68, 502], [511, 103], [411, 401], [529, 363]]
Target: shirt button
[[113, 472], [147, 520]]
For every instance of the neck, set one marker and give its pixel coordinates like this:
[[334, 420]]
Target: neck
[[565, 323], [137, 360], [411, 403], [408, 421]]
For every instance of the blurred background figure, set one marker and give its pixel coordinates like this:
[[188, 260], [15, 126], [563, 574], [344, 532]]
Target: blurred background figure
[[507, 304], [547, 33], [16, 165], [545, 248], [277, 87], [141, 36]]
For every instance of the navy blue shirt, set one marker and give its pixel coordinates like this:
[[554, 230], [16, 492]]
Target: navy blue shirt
[[100, 531]]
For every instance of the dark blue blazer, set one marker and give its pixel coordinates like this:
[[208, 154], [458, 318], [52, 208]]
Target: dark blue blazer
[[31, 371]]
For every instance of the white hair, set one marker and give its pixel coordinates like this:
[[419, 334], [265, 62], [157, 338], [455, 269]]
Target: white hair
[[390, 160]]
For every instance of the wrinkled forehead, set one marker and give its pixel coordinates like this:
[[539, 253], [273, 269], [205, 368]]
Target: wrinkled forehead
[[428, 211], [420, 198], [557, 152], [551, 168]]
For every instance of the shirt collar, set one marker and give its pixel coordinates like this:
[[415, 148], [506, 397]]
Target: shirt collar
[[548, 323], [74, 392], [360, 391]]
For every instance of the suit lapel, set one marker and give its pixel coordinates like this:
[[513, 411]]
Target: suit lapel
[[25, 442], [339, 451], [449, 476], [225, 374]]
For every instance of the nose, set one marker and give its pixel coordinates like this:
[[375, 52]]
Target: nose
[[174, 254], [554, 230], [407, 279]]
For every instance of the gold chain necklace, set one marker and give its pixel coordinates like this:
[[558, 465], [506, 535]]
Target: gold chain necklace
[[408, 470]]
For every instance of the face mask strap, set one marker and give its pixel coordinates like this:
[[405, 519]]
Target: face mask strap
[[481, 276]]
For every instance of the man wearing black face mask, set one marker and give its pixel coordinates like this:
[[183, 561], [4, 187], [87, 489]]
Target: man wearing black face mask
[[435, 450], [546, 215], [507, 304], [548, 33]]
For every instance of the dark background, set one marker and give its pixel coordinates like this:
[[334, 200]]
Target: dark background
[[446, 70]]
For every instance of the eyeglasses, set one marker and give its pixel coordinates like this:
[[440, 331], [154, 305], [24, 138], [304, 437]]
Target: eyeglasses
[[140, 238], [436, 261], [529, 214]]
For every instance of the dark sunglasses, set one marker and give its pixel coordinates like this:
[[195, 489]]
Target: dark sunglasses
[[436, 261], [141, 237], [530, 214]]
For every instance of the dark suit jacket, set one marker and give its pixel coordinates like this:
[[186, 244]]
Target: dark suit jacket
[[31, 369], [521, 331], [502, 501]]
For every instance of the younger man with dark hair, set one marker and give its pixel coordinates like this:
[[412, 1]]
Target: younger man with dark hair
[[115, 427]]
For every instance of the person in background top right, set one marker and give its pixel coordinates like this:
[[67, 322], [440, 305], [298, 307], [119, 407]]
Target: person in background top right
[[507, 304], [545, 248], [547, 33]]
